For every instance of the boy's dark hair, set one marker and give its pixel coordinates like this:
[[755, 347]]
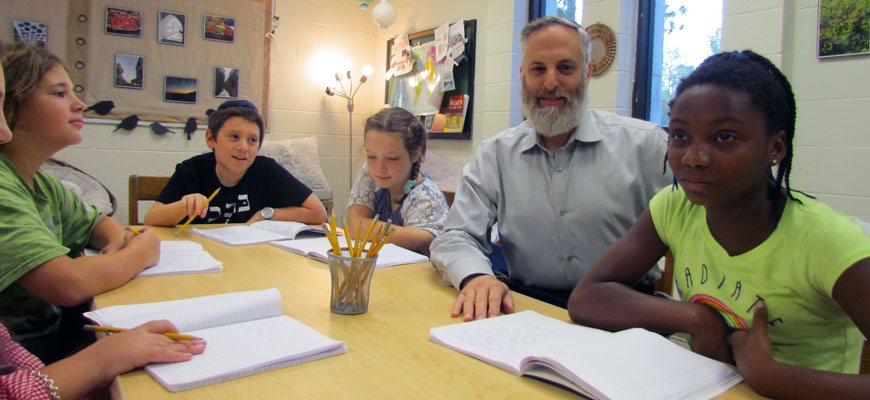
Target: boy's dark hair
[[234, 108], [768, 89], [401, 123]]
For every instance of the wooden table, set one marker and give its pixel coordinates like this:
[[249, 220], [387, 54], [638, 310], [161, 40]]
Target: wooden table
[[388, 351]]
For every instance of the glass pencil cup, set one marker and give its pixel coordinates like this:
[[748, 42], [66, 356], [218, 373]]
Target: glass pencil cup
[[351, 281]]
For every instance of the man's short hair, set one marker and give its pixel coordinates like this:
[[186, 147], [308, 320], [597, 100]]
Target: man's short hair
[[543, 22]]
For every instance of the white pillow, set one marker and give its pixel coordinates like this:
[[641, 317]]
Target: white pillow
[[300, 157]]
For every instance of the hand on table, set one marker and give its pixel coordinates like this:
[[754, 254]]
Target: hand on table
[[482, 297]]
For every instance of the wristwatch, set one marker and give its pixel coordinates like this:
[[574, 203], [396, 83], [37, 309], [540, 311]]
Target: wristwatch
[[267, 213]]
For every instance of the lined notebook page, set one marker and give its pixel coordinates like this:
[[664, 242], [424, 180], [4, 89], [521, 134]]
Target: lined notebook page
[[182, 257], [244, 349], [196, 313], [639, 364], [238, 235], [316, 248], [288, 229], [505, 340]]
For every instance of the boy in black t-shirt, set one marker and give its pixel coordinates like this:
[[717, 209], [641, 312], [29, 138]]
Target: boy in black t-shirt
[[253, 188]]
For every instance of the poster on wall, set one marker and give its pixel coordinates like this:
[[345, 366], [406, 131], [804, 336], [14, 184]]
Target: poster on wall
[[123, 22], [221, 29], [170, 28], [129, 71], [30, 32], [177, 89], [226, 82], [844, 28]]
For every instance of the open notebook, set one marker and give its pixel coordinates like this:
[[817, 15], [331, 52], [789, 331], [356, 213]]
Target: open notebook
[[177, 257], [630, 364], [316, 248], [258, 232], [245, 331], [182, 257]]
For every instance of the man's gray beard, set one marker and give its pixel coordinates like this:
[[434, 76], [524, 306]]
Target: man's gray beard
[[553, 121]]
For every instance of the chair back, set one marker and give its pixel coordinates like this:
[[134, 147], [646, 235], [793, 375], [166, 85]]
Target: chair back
[[448, 194], [143, 188]]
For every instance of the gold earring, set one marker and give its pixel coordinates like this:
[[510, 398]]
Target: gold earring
[[773, 162]]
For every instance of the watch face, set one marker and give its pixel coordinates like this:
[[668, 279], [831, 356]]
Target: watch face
[[267, 213]]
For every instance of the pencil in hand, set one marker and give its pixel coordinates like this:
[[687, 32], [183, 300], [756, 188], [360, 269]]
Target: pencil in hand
[[171, 335], [204, 205], [134, 231]]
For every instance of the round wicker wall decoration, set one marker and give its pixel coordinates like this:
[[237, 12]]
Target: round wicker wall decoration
[[603, 48]]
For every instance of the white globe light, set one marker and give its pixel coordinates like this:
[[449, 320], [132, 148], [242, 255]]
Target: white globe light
[[384, 14]]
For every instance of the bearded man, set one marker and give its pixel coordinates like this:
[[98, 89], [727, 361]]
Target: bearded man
[[563, 186]]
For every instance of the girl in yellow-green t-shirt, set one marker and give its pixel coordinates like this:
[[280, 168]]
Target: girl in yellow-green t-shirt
[[770, 279]]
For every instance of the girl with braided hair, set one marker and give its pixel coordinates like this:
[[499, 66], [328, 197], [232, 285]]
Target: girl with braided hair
[[770, 279], [391, 185]]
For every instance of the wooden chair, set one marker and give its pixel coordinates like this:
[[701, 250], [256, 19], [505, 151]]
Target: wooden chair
[[449, 195], [665, 284], [143, 188]]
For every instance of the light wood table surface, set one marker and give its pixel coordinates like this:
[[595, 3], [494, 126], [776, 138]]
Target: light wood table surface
[[388, 351]]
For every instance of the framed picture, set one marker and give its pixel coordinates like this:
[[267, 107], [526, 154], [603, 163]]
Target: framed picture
[[221, 29], [226, 82], [170, 27], [179, 90], [123, 22], [844, 28], [129, 71], [30, 32]]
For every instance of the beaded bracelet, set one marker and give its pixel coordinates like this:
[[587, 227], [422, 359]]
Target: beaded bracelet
[[52, 389]]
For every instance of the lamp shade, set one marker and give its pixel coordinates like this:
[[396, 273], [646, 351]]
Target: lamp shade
[[384, 14]]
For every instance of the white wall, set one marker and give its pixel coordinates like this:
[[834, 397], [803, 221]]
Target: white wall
[[832, 140], [831, 148]]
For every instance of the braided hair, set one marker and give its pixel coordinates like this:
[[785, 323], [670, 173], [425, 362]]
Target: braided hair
[[767, 88], [401, 123]]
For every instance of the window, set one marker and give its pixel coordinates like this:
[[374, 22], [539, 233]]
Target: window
[[674, 36], [571, 9]]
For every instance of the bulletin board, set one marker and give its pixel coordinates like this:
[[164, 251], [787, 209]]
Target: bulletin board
[[463, 76], [212, 64]]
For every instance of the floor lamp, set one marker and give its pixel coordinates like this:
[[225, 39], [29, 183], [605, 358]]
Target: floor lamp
[[349, 94]]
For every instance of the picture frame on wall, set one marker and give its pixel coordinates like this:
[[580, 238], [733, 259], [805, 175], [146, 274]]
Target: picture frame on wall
[[30, 32], [844, 28], [123, 22], [218, 28], [171, 27], [226, 82], [129, 71], [177, 89]]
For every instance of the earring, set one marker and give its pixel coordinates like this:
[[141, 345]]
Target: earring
[[773, 162]]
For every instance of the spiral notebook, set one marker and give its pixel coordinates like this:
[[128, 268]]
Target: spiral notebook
[[258, 232], [245, 331]]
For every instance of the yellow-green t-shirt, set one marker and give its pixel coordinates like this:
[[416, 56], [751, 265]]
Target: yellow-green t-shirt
[[793, 271], [36, 226]]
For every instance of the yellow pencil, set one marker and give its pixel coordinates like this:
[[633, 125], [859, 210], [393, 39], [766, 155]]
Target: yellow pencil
[[346, 234], [381, 244], [336, 249], [134, 230], [353, 252], [204, 205], [176, 336], [371, 228]]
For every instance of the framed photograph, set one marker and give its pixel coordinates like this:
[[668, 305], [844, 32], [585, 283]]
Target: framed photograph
[[170, 27], [226, 82], [129, 71], [221, 29], [123, 22], [30, 32], [844, 28], [179, 90]]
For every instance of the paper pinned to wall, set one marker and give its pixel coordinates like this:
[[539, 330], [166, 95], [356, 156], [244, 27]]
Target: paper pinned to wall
[[401, 61], [441, 43], [457, 39]]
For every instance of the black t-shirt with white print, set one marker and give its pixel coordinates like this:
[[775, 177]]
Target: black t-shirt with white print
[[265, 184]]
